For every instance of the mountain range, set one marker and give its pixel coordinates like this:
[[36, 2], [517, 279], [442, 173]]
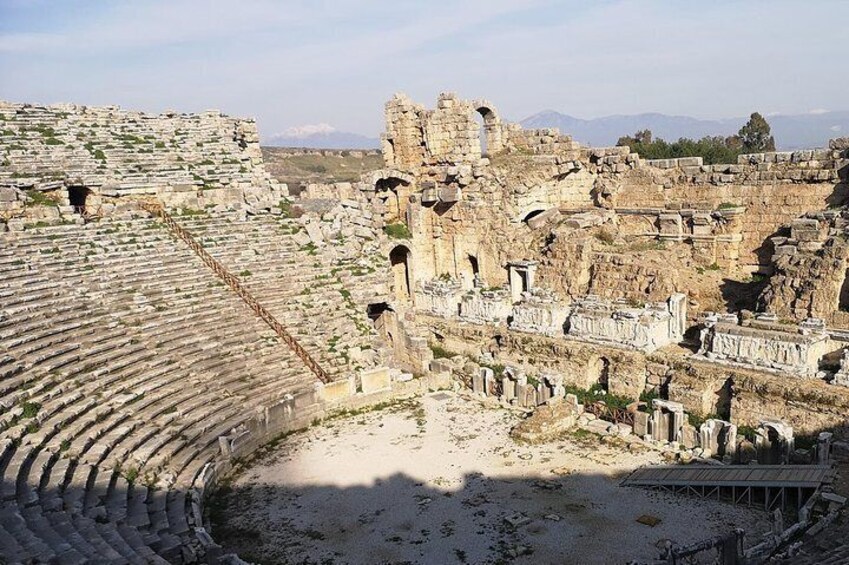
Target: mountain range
[[321, 136], [797, 131]]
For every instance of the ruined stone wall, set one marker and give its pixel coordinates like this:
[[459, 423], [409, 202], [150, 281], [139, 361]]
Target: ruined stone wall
[[450, 134], [696, 384], [811, 283], [191, 160], [774, 188]]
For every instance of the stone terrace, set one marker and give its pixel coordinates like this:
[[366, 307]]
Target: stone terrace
[[119, 153], [124, 361]]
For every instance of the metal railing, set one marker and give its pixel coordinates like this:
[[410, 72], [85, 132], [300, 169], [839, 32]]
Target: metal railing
[[236, 286], [610, 413]]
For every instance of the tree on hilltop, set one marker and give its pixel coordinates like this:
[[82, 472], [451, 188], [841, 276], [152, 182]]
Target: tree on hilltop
[[755, 135]]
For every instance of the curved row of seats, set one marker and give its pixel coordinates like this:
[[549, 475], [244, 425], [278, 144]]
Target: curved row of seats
[[142, 150], [122, 361], [312, 304]]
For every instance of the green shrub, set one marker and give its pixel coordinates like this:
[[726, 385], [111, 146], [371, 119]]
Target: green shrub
[[397, 231], [38, 198], [440, 352], [604, 236], [30, 409]]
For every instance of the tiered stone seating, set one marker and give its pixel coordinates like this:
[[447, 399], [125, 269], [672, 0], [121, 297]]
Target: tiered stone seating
[[305, 286], [123, 361], [131, 152]]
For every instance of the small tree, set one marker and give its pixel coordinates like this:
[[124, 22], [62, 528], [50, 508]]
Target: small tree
[[755, 135]]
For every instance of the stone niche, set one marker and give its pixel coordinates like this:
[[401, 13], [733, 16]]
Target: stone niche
[[774, 442], [485, 306], [440, 297], [765, 344], [522, 275], [539, 312], [646, 329]]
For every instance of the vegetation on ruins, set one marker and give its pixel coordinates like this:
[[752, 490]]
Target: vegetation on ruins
[[30, 409], [38, 198], [397, 231], [596, 393], [753, 137], [440, 352]]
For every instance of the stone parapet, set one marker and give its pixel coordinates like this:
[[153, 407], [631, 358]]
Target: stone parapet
[[764, 344], [647, 328]]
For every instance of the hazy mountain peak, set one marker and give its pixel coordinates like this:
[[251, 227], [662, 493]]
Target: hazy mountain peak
[[798, 131]]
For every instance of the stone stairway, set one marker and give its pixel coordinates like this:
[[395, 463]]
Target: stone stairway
[[238, 288]]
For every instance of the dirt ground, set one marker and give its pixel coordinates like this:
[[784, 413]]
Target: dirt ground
[[439, 480]]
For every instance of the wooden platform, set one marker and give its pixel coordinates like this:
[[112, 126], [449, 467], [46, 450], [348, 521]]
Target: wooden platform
[[804, 476], [769, 486]]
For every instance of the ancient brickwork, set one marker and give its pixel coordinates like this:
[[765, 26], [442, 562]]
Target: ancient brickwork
[[809, 271]]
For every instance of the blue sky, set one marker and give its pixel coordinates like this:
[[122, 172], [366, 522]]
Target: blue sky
[[293, 63]]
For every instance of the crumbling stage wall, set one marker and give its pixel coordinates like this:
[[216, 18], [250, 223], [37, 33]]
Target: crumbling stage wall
[[810, 406], [770, 206]]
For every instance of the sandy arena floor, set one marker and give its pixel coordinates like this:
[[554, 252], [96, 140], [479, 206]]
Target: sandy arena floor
[[438, 480]]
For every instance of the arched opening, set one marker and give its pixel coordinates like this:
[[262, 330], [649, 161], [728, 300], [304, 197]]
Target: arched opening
[[482, 134], [602, 372], [78, 197], [399, 259], [473, 273], [390, 191], [489, 130]]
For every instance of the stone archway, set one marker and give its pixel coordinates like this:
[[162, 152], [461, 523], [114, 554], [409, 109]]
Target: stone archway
[[399, 259], [490, 129], [392, 189]]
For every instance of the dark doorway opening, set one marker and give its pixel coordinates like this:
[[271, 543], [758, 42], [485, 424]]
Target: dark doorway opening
[[603, 371], [724, 397], [376, 310], [78, 195], [399, 259]]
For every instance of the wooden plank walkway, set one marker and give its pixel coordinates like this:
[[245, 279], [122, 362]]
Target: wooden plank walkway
[[772, 476]]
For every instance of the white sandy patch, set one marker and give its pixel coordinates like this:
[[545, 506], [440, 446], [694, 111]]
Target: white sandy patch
[[441, 484]]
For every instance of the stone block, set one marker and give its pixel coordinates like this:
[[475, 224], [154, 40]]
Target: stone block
[[8, 194], [641, 423], [550, 216], [337, 391], [429, 195], [375, 380], [450, 194]]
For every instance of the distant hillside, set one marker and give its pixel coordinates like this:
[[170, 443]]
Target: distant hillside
[[321, 136], [790, 132], [295, 167]]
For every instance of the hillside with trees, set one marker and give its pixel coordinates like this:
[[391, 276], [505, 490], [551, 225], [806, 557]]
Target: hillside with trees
[[753, 137]]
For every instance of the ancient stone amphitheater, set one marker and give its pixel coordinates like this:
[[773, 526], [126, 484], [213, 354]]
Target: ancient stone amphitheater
[[167, 308]]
